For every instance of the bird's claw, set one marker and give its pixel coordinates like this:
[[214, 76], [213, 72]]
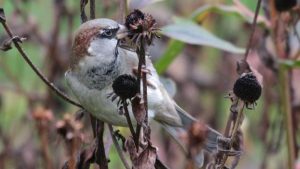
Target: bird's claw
[[143, 70]]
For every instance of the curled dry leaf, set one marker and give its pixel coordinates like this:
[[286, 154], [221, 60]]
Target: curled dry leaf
[[86, 157], [243, 67], [138, 109], [141, 160]]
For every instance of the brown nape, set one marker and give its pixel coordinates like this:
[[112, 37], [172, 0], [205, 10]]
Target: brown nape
[[81, 43]]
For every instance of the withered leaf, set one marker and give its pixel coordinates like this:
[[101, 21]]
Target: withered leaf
[[138, 109], [86, 157], [141, 160], [146, 160], [243, 67]]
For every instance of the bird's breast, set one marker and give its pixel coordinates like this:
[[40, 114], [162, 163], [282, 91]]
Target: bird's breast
[[97, 75]]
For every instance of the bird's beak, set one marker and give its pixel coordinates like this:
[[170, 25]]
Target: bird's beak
[[122, 32]]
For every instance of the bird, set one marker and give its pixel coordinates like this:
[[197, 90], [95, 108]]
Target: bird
[[97, 60]]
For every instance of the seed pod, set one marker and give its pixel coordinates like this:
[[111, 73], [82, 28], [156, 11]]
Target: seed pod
[[284, 5], [125, 86], [141, 26], [247, 88]]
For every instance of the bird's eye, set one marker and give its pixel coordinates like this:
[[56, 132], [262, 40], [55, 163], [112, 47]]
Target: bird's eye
[[107, 32]]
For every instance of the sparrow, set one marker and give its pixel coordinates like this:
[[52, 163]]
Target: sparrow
[[97, 61]]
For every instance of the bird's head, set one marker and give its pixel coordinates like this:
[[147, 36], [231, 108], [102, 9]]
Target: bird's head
[[96, 38]]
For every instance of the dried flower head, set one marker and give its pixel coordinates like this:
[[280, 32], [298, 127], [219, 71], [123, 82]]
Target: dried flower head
[[125, 86], [141, 27], [197, 134], [247, 88]]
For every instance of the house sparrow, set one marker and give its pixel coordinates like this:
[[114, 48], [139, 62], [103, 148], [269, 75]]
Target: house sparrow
[[97, 60]]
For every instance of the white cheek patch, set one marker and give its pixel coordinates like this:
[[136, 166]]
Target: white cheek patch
[[90, 50]]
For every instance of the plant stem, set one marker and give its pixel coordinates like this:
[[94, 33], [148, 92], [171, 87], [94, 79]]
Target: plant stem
[[118, 148], [16, 42], [252, 29], [126, 113], [286, 109]]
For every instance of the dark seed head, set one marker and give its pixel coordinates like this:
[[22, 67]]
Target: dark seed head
[[125, 86], [135, 18], [141, 26], [284, 5], [247, 88]]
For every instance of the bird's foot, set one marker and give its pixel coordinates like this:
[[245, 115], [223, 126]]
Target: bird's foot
[[143, 70]]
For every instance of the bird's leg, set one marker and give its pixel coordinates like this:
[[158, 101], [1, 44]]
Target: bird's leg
[[146, 71]]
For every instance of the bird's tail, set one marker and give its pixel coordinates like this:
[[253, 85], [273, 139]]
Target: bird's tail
[[212, 137], [211, 140]]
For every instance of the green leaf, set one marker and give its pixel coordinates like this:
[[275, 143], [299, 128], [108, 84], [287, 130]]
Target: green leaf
[[173, 49], [201, 13], [189, 32], [290, 63]]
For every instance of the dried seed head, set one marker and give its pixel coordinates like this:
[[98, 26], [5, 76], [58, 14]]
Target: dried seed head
[[197, 134], [125, 86], [247, 88], [141, 26], [285, 5]]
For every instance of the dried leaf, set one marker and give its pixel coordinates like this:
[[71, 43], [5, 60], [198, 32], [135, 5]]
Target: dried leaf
[[141, 160], [138, 110], [146, 159], [86, 157], [243, 67]]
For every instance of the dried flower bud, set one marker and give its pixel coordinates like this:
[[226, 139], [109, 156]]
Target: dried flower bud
[[134, 21], [141, 26], [197, 134], [247, 88], [284, 5], [125, 86]]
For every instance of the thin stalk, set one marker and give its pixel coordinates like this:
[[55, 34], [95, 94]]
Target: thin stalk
[[237, 123], [35, 69], [254, 23], [126, 113], [286, 109], [118, 148]]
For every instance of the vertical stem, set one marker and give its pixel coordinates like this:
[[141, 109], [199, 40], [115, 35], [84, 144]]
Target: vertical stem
[[42, 130], [286, 109], [237, 122], [92, 9], [129, 120], [142, 62], [101, 159], [252, 29], [123, 10], [143, 75], [118, 148]]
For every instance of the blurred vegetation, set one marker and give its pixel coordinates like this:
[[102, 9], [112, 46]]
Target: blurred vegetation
[[204, 72]]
